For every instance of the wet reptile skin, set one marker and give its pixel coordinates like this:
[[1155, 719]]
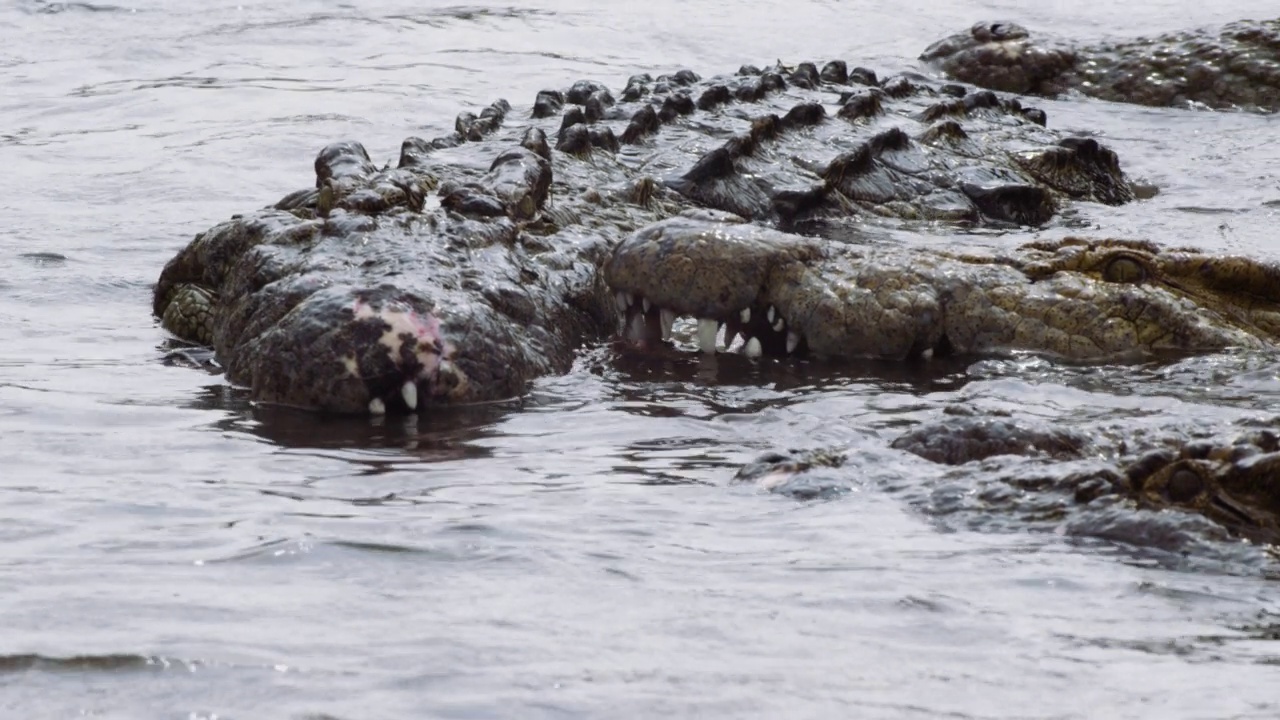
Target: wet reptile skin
[[1235, 482], [1235, 66], [474, 265], [485, 258], [1078, 299]]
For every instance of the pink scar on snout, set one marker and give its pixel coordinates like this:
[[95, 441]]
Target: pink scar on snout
[[423, 327]]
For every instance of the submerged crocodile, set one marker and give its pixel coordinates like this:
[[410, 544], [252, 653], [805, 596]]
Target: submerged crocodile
[[475, 264], [1081, 299], [1234, 482], [1235, 66]]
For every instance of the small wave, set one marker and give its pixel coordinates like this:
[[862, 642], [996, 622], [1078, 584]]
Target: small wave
[[54, 8], [436, 18]]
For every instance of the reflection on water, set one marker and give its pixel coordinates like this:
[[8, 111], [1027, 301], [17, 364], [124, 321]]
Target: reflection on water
[[174, 550]]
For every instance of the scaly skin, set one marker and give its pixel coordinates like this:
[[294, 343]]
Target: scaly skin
[[1235, 483], [474, 265], [1236, 66], [356, 312], [1077, 299]]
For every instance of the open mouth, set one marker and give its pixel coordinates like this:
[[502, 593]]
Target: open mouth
[[755, 331]]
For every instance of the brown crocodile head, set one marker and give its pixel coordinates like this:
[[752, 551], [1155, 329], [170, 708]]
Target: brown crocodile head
[[1242, 292], [1236, 485], [1074, 298], [1003, 56]]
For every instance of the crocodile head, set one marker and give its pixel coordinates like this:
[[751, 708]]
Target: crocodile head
[[1077, 299], [359, 297], [1233, 66], [1003, 56], [1237, 485]]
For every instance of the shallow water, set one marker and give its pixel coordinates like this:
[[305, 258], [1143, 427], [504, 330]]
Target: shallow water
[[171, 551]]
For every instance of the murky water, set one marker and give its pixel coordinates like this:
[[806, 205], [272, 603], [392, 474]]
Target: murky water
[[170, 551]]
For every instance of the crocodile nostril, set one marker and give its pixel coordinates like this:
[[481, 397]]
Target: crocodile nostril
[[1184, 485]]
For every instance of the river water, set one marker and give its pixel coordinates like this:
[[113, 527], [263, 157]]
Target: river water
[[168, 550]]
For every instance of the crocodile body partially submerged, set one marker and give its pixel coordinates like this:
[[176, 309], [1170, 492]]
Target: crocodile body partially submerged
[[1235, 66], [485, 258], [1234, 481], [474, 265]]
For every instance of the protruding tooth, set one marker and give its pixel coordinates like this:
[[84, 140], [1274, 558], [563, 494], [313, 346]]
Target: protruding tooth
[[668, 318], [707, 330], [771, 314], [635, 330], [377, 407], [645, 301], [753, 348], [631, 299], [745, 315], [621, 300], [779, 325], [793, 341], [409, 391]]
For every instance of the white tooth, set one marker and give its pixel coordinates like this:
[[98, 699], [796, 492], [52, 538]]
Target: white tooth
[[631, 299], [771, 314], [645, 301], [753, 348], [745, 315], [793, 340], [621, 299], [927, 354], [409, 391], [668, 318], [707, 330], [377, 407], [635, 330], [777, 327]]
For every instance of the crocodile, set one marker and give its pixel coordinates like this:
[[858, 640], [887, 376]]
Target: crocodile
[[1233, 481], [474, 265], [782, 294], [1234, 66]]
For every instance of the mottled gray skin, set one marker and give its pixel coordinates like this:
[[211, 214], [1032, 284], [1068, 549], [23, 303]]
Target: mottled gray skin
[[961, 439], [1234, 482], [1236, 66], [474, 265], [1077, 299], [335, 312]]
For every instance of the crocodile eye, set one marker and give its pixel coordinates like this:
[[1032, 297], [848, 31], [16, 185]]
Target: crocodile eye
[[1124, 269], [1183, 486]]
